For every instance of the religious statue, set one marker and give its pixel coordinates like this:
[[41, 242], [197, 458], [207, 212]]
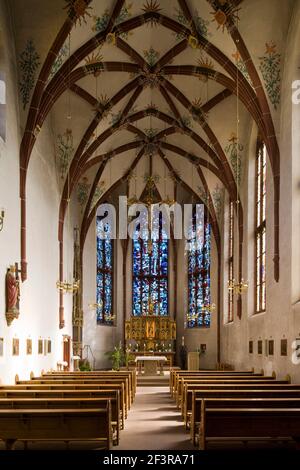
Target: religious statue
[[127, 331], [151, 307], [183, 355], [150, 332], [12, 288]]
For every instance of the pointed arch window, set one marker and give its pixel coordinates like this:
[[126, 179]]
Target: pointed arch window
[[260, 228], [150, 259], [199, 295], [104, 290]]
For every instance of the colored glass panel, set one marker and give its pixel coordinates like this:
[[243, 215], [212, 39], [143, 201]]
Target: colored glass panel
[[104, 288], [150, 275], [199, 259]]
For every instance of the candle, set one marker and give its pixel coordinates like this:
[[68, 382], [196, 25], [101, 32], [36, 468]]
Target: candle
[[182, 341]]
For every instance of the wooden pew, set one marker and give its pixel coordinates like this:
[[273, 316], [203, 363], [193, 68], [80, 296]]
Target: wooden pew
[[66, 425], [247, 423], [71, 387], [228, 376], [129, 373], [255, 399], [105, 383], [92, 382], [70, 403], [194, 378], [175, 374], [78, 395], [93, 375], [193, 384]]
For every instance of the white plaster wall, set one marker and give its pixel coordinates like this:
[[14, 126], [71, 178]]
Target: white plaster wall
[[39, 299], [281, 320]]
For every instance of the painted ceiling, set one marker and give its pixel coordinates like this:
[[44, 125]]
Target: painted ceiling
[[168, 87]]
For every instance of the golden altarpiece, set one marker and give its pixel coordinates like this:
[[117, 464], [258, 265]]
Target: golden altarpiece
[[150, 334]]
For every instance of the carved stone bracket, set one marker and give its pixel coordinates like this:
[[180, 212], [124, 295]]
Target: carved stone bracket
[[11, 316]]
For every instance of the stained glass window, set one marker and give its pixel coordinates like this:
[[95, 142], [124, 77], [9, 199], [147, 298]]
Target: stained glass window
[[230, 261], [150, 275], [260, 231], [199, 279], [104, 291]]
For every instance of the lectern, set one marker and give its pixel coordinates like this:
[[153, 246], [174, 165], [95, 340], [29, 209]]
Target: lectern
[[193, 361]]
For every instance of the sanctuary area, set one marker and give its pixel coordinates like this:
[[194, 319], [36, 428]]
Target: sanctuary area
[[149, 224]]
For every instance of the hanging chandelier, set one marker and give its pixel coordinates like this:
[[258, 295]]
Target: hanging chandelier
[[110, 317], [192, 316], [68, 287], [208, 308], [240, 287], [95, 306]]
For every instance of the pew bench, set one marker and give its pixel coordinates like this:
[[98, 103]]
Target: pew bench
[[247, 423], [192, 377], [59, 388], [195, 399], [56, 425], [253, 402], [87, 382], [78, 395], [131, 374], [193, 385], [70, 403], [223, 379], [176, 375], [91, 376]]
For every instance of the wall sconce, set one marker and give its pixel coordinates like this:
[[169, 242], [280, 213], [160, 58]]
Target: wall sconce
[[2, 214]]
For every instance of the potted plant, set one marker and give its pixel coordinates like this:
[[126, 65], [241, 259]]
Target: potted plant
[[116, 356], [84, 365]]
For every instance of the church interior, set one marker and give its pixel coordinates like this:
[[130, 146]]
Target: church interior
[[109, 109]]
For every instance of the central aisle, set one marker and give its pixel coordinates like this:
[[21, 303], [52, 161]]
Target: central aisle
[[154, 423]]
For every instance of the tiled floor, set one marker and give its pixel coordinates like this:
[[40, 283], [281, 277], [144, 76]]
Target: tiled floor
[[154, 423]]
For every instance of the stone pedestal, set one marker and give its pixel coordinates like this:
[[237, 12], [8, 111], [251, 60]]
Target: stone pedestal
[[150, 368], [150, 364]]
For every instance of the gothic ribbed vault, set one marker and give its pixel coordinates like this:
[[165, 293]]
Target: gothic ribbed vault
[[180, 80]]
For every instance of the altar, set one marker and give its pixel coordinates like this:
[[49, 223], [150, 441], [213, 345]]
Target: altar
[[151, 363], [150, 333]]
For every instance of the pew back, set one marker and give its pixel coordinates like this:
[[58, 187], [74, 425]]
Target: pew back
[[243, 423], [66, 425], [249, 402]]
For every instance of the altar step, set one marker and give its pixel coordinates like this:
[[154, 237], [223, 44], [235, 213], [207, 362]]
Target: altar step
[[153, 381]]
